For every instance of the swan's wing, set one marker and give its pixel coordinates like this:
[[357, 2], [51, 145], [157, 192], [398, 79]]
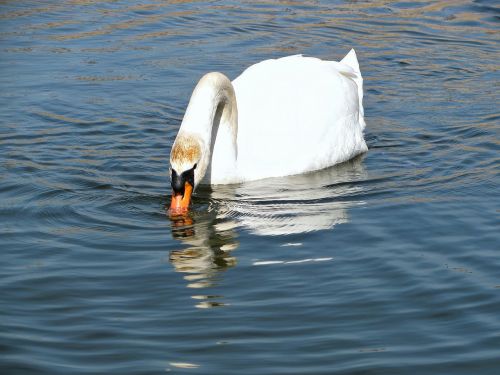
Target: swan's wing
[[297, 114]]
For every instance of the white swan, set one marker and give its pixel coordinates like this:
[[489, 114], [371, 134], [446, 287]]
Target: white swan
[[280, 117]]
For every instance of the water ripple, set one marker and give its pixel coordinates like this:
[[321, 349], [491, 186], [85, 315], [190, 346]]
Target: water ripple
[[378, 265]]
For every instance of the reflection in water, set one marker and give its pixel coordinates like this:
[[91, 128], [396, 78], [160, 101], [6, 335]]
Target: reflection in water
[[271, 207], [210, 244], [294, 204]]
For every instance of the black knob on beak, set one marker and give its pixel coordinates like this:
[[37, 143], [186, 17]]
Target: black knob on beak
[[178, 183]]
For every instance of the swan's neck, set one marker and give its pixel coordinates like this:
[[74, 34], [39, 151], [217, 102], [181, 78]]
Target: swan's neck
[[212, 117]]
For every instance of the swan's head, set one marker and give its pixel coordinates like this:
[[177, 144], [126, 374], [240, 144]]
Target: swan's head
[[186, 170]]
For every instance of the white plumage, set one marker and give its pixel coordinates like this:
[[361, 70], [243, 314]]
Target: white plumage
[[279, 117]]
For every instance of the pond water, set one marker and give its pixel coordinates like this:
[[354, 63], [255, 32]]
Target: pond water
[[387, 264]]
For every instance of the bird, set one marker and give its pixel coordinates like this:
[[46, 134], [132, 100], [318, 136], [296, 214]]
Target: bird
[[280, 117]]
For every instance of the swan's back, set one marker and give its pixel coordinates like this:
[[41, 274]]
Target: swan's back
[[298, 114]]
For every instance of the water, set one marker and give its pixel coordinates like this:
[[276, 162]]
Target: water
[[388, 264]]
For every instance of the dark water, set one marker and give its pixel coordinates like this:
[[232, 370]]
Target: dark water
[[389, 264]]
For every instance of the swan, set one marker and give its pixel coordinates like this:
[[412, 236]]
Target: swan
[[280, 117]]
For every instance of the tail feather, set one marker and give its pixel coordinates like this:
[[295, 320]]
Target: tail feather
[[352, 61]]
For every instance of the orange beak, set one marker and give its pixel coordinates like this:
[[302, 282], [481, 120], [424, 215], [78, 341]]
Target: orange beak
[[180, 203]]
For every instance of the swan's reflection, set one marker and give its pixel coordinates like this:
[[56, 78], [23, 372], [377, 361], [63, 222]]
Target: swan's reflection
[[293, 204], [210, 242], [271, 207]]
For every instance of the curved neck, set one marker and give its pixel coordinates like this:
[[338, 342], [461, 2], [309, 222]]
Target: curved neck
[[212, 116]]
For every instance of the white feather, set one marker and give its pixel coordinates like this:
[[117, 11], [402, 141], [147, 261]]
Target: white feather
[[294, 114]]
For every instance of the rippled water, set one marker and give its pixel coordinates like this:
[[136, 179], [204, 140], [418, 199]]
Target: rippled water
[[388, 264]]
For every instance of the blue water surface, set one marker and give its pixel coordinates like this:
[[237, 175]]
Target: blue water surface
[[387, 264]]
